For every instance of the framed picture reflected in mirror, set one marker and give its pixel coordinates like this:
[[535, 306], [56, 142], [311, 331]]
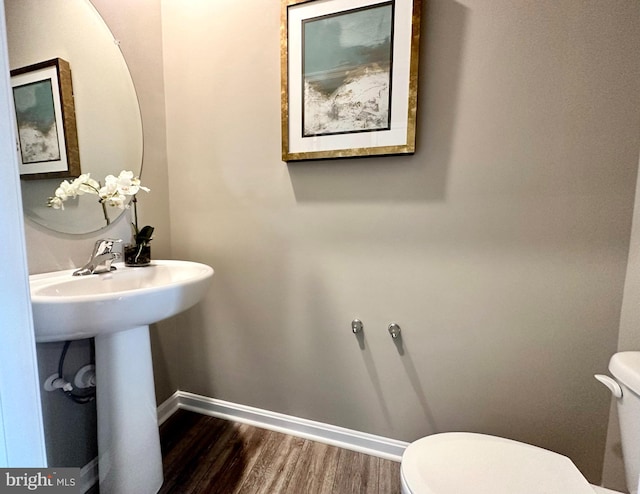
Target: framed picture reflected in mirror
[[45, 120]]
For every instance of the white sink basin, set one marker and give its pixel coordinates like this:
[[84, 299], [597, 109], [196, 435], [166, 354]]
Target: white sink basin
[[67, 307], [116, 308]]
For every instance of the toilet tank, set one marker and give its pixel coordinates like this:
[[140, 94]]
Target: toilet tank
[[625, 367]]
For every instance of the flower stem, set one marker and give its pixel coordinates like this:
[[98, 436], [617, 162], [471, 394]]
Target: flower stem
[[135, 215], [104, 211], [102, 203]]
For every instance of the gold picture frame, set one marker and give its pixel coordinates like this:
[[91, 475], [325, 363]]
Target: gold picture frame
[[46, 120], [348, 90]]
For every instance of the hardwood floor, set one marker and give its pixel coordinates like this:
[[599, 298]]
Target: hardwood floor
[[204, 454]]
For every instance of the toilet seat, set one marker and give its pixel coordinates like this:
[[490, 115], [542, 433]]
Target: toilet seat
[[466, 463]]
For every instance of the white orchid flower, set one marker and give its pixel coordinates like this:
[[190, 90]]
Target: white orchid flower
[[110, 188], [84, 184], [116, 200], [56, 203], [66, 190], [127, 184], [114, 192]]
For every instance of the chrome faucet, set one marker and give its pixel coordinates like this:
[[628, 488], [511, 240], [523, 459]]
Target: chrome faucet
[[101, 258]]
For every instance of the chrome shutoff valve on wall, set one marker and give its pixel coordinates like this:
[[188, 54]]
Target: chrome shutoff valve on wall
[[356, 326], [394, 330]]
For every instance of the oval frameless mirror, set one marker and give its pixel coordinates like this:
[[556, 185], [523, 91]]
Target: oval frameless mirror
[[107, 114]]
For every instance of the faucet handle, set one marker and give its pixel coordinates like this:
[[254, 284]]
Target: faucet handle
[[101, 259], [105, 246]]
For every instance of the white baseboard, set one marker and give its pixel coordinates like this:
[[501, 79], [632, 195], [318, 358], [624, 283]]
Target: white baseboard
[[362, 442], [168, 407], [89, 475]]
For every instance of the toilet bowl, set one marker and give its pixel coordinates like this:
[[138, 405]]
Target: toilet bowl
[[470, 463], [466, 463]]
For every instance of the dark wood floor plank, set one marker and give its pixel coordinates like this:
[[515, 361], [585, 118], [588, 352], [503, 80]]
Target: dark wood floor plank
[[181, 462], [207, 455], [316, 469], [232, 468], [225, 454], [180, 431], [275, 465], [356, 473], [389, 477], [203, 451]]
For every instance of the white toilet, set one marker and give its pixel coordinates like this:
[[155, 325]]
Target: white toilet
[[466, 463]]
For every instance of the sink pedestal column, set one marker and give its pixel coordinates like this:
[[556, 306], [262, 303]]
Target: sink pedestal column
[[129, 456]]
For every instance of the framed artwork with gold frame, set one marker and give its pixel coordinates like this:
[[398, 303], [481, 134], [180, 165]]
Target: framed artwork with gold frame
[[349, 72], [46, 120]]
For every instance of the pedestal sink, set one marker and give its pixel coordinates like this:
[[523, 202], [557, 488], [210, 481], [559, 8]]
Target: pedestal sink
[[116, 308]]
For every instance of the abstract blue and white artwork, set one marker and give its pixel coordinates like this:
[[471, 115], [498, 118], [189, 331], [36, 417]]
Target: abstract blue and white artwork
[[349, 73], [36, 120], [346, 71]]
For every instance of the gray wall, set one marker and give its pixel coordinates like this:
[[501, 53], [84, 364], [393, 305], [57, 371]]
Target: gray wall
[[500, 247]]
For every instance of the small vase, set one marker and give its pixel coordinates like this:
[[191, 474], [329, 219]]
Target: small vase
[[137, 255]]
